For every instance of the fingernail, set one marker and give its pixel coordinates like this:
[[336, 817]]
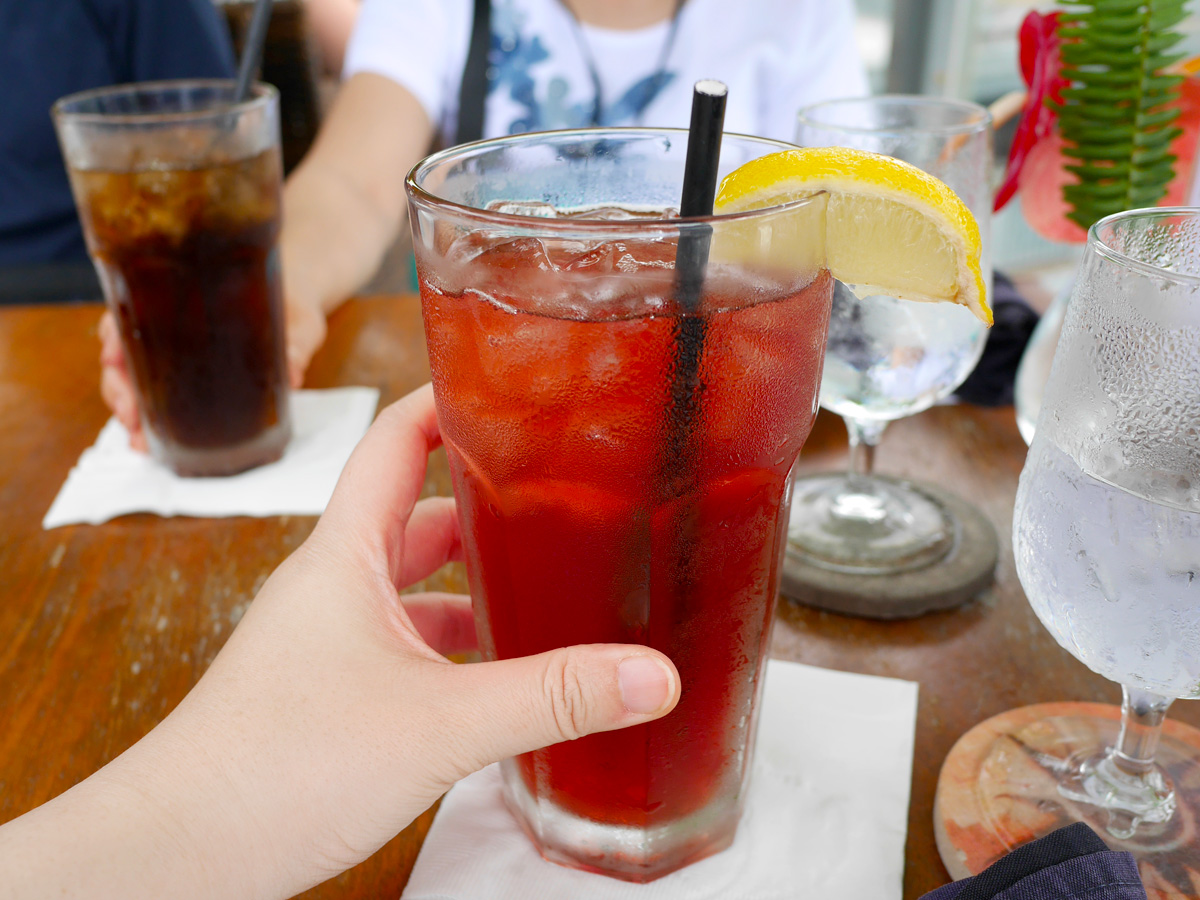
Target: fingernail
[[645, 684]]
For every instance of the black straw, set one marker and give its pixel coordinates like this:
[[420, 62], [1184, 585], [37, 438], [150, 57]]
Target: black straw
[[252, 49], [699, 189], [691, 260], [704, 148]]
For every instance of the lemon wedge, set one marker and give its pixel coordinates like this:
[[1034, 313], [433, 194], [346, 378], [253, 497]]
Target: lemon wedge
[[890, 228]]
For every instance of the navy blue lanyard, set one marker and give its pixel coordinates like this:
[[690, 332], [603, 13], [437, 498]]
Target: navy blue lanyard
[[472, 93]]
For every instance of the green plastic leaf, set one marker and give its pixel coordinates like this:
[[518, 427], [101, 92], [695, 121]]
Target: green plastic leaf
[[1117, 115]]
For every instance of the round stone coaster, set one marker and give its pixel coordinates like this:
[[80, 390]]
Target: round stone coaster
[[997, 791], [955, 579]]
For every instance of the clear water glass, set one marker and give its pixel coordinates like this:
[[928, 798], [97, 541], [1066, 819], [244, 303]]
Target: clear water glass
[[888, 358], [1106, 530], [1034, 368]]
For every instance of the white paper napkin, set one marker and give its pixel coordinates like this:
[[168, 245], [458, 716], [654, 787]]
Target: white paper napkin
[[111, 479], [825, 818]]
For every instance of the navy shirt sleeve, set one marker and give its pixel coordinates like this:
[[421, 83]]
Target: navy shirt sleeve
[[50, 50]]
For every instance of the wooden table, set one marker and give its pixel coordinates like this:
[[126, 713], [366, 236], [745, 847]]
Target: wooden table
[[105, 628]]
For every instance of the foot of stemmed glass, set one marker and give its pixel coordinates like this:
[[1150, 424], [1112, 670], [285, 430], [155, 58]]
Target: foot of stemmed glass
[[1124, 800], [1028, 771], [1123, 781], [859, 523]]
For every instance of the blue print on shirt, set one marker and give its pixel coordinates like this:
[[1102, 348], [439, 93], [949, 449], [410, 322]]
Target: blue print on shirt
[[514, 54]]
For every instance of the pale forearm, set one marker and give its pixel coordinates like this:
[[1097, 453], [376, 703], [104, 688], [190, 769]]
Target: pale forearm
[[345, 204], [332, 21], [333, 239], [143, 827]]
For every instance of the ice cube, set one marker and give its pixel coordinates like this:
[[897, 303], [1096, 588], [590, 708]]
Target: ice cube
[[532, 208], [599, 258], [539, 209], [612, 213]]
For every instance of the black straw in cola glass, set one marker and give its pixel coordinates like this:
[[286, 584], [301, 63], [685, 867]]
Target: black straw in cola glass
[[691, 259], [252, 49]]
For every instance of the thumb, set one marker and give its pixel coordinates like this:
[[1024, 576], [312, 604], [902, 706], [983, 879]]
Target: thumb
[[517, 705], [305, 331]]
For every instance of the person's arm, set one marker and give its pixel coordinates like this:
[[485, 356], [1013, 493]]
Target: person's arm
[[329, 720], [342, 208], [345, 203], [332, 22]]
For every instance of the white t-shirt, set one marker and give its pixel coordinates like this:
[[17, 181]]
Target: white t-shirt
[[775, 56]]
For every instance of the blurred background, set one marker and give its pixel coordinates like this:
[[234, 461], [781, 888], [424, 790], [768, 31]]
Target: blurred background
[[965, 49]]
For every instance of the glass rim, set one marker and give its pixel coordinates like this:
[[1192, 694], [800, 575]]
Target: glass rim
[[261, 94], [977, 125], [580, 225], [1101, 247]]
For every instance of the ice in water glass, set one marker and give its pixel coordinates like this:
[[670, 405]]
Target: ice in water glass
[[888, 358]]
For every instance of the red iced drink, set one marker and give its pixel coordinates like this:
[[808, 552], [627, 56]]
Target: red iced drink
[[621, 452], [553, 367]]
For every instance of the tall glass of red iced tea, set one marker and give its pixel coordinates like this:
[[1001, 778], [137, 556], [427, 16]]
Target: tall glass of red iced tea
[[621, 454], [179, 193]]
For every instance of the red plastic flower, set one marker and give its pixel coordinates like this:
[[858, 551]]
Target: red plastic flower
[[1040, 68]]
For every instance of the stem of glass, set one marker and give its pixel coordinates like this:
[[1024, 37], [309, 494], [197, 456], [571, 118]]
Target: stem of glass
[[861, 501], [864, 436], [1142, 717]]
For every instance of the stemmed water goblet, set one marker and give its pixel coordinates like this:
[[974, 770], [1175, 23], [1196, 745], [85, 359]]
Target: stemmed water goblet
[[888, 358], [1106, 537]]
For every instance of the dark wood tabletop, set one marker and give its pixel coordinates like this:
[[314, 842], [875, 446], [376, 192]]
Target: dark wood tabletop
[[103, 629]]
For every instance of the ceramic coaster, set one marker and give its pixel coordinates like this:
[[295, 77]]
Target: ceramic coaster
[[955, 579], [996, 792]]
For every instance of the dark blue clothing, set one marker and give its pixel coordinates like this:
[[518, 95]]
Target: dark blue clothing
[[1108, 875], [51, 48], [994, 379], [1071, 863]]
